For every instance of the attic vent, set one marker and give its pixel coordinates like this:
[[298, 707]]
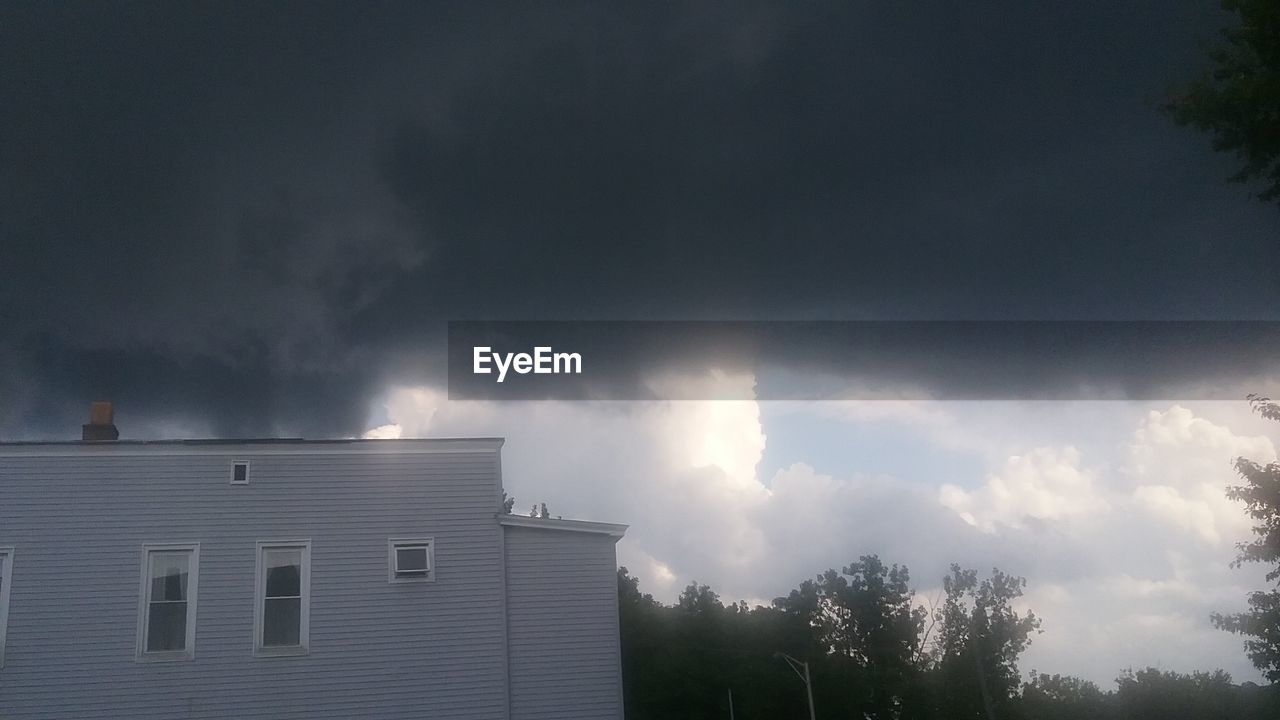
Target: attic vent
[[240, 472]]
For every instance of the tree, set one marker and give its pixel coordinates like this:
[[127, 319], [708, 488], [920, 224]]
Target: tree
[[680, 661], [866, 630], [1261, 496], [629, 596], [879, 629], [1152, 694], [1060, 697], [1238, 100], [981, 637], [644, 638], [699, 600]]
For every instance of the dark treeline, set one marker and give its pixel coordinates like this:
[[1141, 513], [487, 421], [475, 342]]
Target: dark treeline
[[875, 653]]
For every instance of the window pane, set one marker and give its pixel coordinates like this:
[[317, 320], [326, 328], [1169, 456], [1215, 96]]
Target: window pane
[[284, 573], [169, 575], [166, 626], [281, 621], [240, 473], [410, 559]]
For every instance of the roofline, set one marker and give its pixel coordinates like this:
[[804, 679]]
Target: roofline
[[613, 530], [254, 446]]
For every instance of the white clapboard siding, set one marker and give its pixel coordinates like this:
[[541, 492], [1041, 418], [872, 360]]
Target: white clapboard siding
[[78, 515], [562, 617]]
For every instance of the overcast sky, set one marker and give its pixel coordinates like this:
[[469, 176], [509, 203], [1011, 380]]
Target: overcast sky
[[251, 219]]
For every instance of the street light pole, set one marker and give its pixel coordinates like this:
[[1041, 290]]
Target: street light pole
[[808, 687], [796, 666]]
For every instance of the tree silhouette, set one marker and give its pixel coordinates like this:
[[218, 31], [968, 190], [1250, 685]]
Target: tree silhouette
[[1261, 496], [1238, 99], [1059, 697], [860, 633], [865, 622]]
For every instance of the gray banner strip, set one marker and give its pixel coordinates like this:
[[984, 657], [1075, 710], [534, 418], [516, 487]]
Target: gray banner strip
[[944, 360]]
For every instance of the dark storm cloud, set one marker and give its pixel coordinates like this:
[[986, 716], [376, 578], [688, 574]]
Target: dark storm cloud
[[256, 214]]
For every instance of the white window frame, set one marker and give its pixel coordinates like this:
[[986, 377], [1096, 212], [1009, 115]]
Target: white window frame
[[428, 542], [6, 580], [247, 468], [260, 599], [144, 602]]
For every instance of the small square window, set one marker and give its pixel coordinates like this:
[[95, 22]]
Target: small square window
[[240, 472], [411, 559]]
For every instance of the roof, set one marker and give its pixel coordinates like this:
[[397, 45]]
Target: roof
[[257, 446], [611, 529]]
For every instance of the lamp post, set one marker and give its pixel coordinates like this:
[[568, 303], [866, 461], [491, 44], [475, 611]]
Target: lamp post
[[797, 666]]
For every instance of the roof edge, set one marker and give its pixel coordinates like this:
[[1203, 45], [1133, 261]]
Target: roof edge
[[259, 446], [614, 530]]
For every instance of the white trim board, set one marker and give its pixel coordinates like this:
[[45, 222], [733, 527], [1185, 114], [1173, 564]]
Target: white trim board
[[584, 526], [6, 580]]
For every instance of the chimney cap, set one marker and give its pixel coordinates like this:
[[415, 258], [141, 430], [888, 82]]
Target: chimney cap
[[101, 413]]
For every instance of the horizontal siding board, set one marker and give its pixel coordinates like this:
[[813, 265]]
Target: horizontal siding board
[[377, 649], [562, 625]]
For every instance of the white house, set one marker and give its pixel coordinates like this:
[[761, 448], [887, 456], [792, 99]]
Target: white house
[[294, 579]]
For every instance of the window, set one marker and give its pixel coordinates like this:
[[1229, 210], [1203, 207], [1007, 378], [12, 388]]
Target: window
[[411, 559], [167, 602], [240, 472], [282, 612], [6, 576]]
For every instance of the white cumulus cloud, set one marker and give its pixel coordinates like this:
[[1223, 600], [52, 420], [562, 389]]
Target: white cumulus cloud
[[1126, 542]]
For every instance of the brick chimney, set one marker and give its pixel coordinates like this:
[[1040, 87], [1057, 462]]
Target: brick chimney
[[100, 427]]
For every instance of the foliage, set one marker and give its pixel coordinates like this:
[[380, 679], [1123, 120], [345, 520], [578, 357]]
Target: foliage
[[980, 639], [1261, 496], [1238, 100], [681, 661], [863, 619], [1151, 694], [861, 635], [1060, 697], [858, 629]]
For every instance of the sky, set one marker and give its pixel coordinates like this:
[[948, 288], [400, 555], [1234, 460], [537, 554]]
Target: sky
[[242, 219]]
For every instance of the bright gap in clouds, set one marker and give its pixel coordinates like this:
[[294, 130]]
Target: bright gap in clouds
[[1113, 511]]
